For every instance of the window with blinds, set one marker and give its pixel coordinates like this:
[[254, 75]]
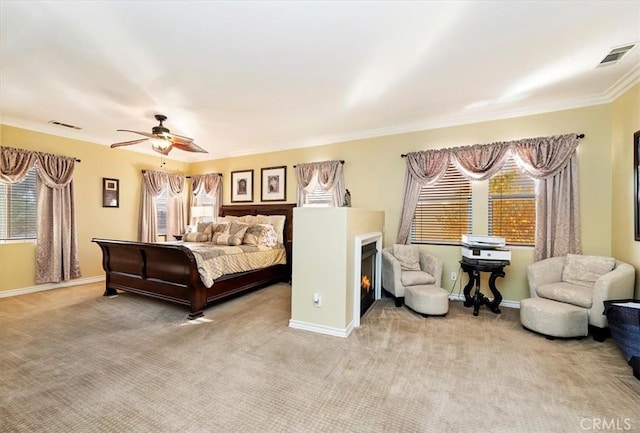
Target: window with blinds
[[202, 199], [443, 213], [318, 198], [18, 209], [161, 206], [512, 205]]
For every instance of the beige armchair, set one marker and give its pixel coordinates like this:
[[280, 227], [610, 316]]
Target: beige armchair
[[578, 282], [408, 265]]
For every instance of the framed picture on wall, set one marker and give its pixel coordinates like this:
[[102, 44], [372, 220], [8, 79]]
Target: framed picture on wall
[[274, 184], [636, 183], [110, 192], [241, 186]]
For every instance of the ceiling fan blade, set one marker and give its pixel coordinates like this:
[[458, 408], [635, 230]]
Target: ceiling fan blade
[[129, 143], [146, 134], [178, 138], [188, 147]]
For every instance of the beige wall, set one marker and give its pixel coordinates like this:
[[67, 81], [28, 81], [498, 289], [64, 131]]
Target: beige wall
[[17, 260], [374, 173], [625, 121]]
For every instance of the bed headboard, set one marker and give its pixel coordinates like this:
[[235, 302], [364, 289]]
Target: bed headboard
[[285, 209]]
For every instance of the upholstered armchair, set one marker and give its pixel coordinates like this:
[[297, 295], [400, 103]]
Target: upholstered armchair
[[408, 265], [577, 282]]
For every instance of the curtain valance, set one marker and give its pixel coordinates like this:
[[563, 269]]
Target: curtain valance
[[550, 160]]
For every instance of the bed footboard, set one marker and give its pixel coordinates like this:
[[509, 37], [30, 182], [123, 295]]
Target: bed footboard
[[163, 271]]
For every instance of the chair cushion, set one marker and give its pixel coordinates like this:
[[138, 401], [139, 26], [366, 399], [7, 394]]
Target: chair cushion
[[414, 278], [585, 270], [568, 293], [408, 256]]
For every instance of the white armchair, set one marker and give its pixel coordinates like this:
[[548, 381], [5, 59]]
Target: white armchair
[[397, 273], [585, 282]]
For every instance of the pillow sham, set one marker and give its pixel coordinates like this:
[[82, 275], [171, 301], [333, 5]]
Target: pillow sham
[[232, 235], [196, 237]]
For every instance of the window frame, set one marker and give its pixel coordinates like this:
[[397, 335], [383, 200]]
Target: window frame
[[5, 208]]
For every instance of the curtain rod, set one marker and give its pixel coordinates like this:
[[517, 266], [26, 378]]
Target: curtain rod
[[188, 177], [578, 136], [341, 162]]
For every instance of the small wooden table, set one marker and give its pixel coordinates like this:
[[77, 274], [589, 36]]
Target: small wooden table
[[473, 268]]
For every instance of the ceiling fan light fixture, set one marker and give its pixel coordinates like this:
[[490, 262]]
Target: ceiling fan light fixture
[[161, 143]]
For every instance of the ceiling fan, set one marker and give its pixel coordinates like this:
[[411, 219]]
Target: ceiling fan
[[162, 140]]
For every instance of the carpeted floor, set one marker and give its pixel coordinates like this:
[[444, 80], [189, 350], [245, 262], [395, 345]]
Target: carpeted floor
[[74, 361]]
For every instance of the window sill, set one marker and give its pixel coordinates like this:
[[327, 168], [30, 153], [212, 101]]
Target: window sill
[[17, 241]]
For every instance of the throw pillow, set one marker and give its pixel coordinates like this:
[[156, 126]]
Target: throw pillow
[[270, 237], [408, 256], [277, 221], [585, 270], [233, 234], [215, 228], [253, 235]]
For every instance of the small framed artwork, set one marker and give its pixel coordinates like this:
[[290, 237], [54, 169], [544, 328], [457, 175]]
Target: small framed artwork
[[636, 183], [110, 192], [241, 186], [274, 184]]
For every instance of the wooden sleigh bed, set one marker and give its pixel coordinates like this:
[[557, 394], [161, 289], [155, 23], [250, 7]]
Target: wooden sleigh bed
[[169, 271]]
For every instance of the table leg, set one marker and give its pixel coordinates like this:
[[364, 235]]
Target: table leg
[[468, 300], [497, 296]]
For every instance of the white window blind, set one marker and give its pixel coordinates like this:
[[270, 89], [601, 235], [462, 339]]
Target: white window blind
[[512, 205], [318, 198], [18, 209], [202, 199], [443, 213], [161, 205]]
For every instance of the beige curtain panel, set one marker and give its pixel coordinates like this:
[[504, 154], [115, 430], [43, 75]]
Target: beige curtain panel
[[57, 241], [153, 183], [211, 184]]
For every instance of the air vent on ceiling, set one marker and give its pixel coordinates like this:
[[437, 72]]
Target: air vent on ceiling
[[616, 54], [66, 125]]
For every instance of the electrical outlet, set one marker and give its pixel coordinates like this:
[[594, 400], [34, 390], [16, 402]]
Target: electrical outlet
[[453, 276]]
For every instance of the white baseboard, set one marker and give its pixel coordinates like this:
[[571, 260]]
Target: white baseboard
[[49, 286], [327, 330], [504, 303]]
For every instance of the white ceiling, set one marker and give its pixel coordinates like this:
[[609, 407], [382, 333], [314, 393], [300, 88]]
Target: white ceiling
[[255, 76]]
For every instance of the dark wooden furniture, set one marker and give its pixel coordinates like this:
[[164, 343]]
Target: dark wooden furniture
[[473, 268], [169, 271]]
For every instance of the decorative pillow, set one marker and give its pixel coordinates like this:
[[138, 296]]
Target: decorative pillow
[[408, 256], [215, 228], [277, 221], [233, 234], [202, 227], [254, 235], [196, 237], [585, 270], [270, 237]]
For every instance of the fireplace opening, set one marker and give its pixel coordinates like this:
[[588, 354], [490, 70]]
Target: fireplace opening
[[367, 277]]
